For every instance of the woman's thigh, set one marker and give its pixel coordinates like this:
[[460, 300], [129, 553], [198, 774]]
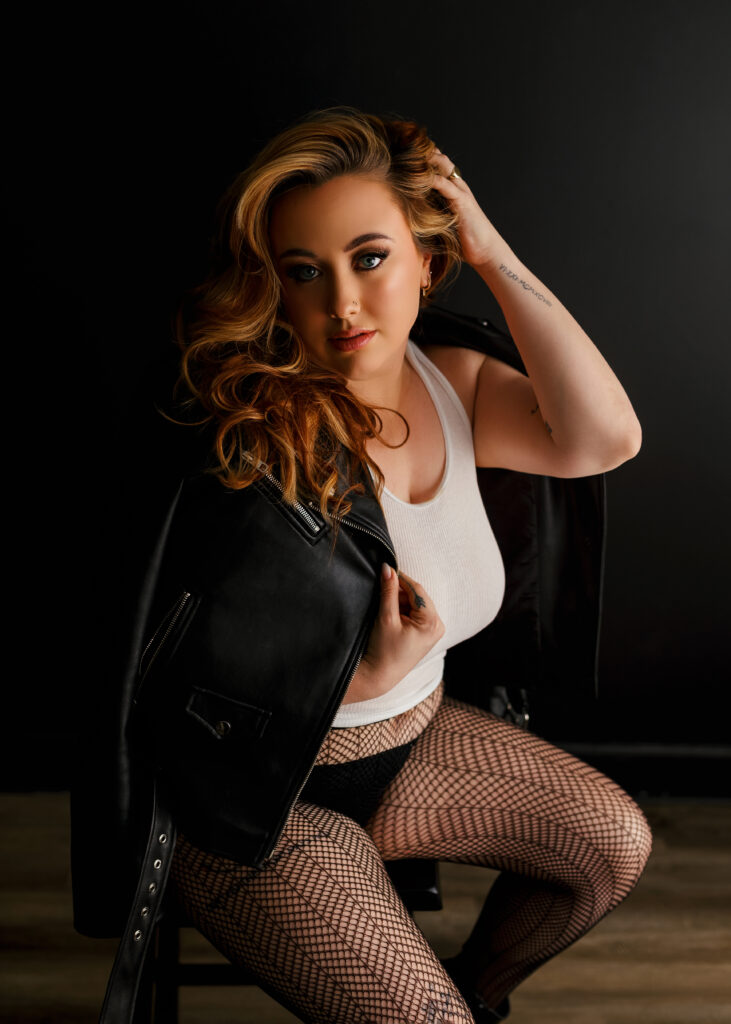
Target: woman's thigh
[[477, 789], [320, 925]]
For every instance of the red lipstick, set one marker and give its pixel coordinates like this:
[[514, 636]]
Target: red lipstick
[[351, 340]]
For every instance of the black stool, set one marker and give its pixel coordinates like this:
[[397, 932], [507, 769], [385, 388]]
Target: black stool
[[416, 881]]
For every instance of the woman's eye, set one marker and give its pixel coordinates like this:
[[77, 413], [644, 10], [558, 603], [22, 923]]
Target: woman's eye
[[303, 272], [371, 260]]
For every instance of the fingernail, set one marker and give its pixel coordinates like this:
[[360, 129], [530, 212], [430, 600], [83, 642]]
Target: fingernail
[[386, 571]]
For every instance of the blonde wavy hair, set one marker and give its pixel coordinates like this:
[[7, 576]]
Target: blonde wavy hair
[[243, 365]]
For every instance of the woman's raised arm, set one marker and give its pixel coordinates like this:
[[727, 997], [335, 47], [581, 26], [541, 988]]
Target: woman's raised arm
[[570, 416]]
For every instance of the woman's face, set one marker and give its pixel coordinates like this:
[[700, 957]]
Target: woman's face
[[351, 274]]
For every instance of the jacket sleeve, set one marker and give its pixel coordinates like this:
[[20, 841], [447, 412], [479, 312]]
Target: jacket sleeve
[[108, 795]]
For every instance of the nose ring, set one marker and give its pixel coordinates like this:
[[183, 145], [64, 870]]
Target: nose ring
[[355, 304]]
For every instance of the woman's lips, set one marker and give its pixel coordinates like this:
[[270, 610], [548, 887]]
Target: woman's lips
[[351, 342]]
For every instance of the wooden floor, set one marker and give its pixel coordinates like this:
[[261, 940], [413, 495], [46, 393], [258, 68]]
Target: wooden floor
[[663, 957]]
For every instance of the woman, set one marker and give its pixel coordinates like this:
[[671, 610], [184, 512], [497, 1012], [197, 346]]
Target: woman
[[297, 349]]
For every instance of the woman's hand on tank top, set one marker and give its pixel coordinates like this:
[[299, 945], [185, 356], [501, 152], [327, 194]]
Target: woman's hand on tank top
[[406, 628]]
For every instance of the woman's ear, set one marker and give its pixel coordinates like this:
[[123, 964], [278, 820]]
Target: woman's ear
[[426, 270]]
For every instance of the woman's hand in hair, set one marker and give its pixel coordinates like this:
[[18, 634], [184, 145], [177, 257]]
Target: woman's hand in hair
[[406, 628], [477, 236]]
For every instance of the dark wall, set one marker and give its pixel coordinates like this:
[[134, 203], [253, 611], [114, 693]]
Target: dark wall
[[596, 137]]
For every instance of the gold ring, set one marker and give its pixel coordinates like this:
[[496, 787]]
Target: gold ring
[[454, 174]]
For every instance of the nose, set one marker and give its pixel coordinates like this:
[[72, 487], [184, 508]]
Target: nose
[[343, 301]]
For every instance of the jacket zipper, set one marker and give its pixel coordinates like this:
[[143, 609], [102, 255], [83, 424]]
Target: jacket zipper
[[264, 470], [377, 536], [298, 507], [364, 529], [371, 533], [177, 611]]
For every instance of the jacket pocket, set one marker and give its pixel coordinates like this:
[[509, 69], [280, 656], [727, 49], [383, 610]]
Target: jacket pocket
[[168, 634], [224, 718]]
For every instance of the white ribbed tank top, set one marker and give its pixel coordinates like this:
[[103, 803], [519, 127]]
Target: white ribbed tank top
[[447, 545]]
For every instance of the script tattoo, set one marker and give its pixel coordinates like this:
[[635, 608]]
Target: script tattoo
[[528, 287]]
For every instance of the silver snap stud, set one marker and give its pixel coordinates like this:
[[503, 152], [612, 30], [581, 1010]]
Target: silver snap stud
[[152, 888], [223, 728], [137, 935], [162, 839], [157, 864], [144, 912]]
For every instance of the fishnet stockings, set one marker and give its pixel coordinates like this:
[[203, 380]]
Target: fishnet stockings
[[322, 927], [570, 842], [343, 745]]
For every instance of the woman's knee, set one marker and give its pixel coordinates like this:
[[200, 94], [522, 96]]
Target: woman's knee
[[633, 843], [618, 842]]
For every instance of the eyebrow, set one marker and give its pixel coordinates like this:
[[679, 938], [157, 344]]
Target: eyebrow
[[371, 236]]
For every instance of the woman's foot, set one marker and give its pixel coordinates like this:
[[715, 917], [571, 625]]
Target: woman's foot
[[482, 1013]]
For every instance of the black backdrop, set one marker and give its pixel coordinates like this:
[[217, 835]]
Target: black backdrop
[[597, 138]]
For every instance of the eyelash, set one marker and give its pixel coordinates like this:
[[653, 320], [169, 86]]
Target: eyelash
[[295, 271]]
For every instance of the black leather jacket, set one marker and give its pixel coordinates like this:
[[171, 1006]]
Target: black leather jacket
[[250, 624]]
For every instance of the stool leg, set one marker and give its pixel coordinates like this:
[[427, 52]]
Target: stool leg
[[166, 973]]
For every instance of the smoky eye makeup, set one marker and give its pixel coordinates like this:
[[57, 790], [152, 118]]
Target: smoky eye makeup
[[371, 254], [365, 261], [301, 272]]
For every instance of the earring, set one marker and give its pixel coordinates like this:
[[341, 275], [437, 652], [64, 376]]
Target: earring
[[425, 288]]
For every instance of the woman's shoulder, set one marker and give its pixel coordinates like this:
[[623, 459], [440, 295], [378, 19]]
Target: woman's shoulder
[[461, 367], [464, 348]]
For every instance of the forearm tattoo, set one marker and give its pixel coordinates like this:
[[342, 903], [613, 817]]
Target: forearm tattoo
[[528, 287], [546, 424]]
